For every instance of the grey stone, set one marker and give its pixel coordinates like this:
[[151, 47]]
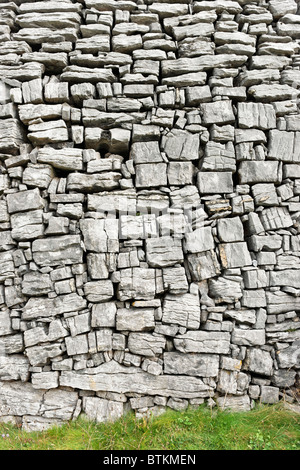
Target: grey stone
[[53, 251], [129, 379], [218, 157], [137, 283], [163, 251], [259, 172], [201, 365], [183, 310], [146, 344], [203, 265], [175, 280], [219, 112], [209, 342], [100, 235], [181, 145], [225, 290], [99, 291], [230, 230], [234, 403], [256, 115], [215, 182], [151, 175], [234, 255], [101, 410], [103, 315], [199, 240], [135, 319], [269, 394], [259, 361], [248, 337]]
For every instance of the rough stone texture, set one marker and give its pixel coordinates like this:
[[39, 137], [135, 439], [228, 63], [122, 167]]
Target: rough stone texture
[[149, 207]]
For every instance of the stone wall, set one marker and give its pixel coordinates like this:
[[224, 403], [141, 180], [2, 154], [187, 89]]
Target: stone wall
[[149, 208]]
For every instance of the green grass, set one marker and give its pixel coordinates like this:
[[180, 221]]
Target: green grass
[[264, 428]]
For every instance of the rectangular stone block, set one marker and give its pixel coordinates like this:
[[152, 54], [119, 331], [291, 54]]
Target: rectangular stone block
[[214, 182], [183, 310], [199, 240], [151, 175], [201, 365], [259, 172], [210, 342], [54, 251], [163, 251]]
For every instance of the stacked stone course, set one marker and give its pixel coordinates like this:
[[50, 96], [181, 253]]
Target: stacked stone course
[[149, 207]]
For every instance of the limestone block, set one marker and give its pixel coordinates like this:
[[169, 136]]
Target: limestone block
[[225, 290], [137, 283], [203, 265], [98, 291], [201, 365], [54, 250], [215, 182], [219, 112], [151, 175], [164, 251], [256, 115], [23, 201], [64, 159], [230, 230], [48, 132], [181, 145], [199, 240], [210, 342], [11, 135], [122, 379], [135, 319], [101, 410], [14, 367], [248, 337], [174, 280], [146, 344], [104, 315], [259, 361], [183, 310], [259, 172], [234, 255]]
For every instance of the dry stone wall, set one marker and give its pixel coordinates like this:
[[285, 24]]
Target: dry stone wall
[[149, 208]]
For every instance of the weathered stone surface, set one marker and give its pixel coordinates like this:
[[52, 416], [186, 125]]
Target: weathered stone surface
[[215, 182], [66, 159], [183, 310], [100, 236], [135, 319], [129, 379], [93, 183], [203, 265], [54, 251], [259, 172], [225, 290], [234, 255], [248, 337], [137, 283], [203, 342], [199, 240], [149, 213], [24, 201], [151, 175], [12, 135], [181, 145], [101, 410], [202, 365], [256, 115], [99, 291]]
